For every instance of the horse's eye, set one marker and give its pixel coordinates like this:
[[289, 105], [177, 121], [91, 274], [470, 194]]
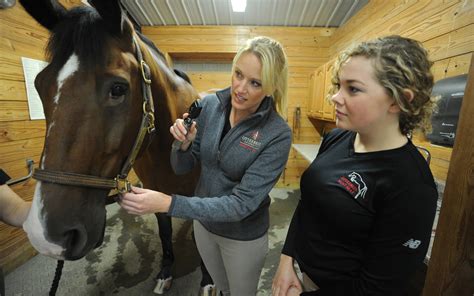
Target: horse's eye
[[117, 90]]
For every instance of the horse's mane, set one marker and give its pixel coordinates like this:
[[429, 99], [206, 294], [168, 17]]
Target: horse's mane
[[82, 32], [150, 44]]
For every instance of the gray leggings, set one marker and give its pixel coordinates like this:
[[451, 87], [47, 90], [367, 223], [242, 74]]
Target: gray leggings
[[234, 265]]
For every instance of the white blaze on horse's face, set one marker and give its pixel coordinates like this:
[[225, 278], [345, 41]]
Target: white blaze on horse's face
[[67, 70], [35, 223], [34, 226]]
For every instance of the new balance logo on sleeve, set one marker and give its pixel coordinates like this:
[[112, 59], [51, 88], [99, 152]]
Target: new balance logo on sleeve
[[412, 244]]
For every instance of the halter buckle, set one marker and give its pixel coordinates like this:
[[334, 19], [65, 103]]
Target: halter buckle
[[145, 72], [122, 185], [151, 122], [151, 117]]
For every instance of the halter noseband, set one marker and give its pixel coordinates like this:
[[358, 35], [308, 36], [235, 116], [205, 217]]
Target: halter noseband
[[120, 182]]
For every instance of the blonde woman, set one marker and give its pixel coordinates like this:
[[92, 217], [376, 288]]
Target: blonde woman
[[241, 142]]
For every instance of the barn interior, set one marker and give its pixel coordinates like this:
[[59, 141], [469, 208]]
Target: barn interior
[[201, 37]]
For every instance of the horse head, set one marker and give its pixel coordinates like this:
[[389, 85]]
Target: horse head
[[93, 94]]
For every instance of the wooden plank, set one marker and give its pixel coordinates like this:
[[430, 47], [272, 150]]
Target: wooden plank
[[452, 66], [306, 61], [12, 90], [236, 30], [203, 56], [21, 130], [11, 67], [450, 270], [20, 150], [301, 31], [204, 81], [21, 26], [461, 41], [182, 40], [196, 48], [192, 30], [300, 51], [439, 168], [22, 48], [458, 65], [402, 16], [14, 110], [439, 69], [18, 168], [374, 16], [439, 21], [464, 14], [189, 40]]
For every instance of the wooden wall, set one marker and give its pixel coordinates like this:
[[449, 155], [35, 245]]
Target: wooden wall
[[306, 48]]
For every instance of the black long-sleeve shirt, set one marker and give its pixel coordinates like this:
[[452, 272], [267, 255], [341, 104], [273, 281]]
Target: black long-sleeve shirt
[[364, 221]]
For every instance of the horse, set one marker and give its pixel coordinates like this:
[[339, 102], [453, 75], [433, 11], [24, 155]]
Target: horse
[[109, 98]]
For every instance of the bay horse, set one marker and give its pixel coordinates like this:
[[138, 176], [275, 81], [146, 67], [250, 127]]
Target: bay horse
[[109, 99]]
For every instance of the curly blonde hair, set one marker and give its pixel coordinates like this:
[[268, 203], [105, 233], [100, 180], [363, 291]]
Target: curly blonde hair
[[399, 63]]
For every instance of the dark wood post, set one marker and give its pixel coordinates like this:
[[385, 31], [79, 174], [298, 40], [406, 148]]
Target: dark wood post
[[451, 267]]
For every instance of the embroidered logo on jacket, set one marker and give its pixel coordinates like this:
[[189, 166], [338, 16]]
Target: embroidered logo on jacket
[[354, 184], [250, 142]]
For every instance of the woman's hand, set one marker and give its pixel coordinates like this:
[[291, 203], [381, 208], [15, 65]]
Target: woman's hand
[[286, 282], [182, 134], [144, 201]]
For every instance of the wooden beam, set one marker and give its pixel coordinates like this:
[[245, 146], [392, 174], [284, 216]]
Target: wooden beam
[[224, 57], [451, 267]]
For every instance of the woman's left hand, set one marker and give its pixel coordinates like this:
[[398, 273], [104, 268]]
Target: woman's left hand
[[144, 201]]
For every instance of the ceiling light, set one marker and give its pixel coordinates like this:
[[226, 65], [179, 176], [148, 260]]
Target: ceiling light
[[239, 5]]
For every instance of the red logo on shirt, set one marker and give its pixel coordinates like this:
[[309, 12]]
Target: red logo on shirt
[[354, 184], [250, 142]]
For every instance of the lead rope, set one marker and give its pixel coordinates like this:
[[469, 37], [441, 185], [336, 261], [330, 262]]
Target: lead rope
[[57, 277]]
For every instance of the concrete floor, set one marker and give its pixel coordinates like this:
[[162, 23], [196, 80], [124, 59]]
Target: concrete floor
[[128, 260]]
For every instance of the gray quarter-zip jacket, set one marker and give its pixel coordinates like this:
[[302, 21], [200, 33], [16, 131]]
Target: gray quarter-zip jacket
[[231, 198]]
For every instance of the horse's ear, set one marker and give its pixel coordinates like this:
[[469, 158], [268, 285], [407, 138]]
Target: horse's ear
[[46, 12], [111, 12]]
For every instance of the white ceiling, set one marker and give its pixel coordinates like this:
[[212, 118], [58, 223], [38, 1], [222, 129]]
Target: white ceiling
[[300, 13]]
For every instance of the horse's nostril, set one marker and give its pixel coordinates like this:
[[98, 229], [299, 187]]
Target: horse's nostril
[[76, 240]]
